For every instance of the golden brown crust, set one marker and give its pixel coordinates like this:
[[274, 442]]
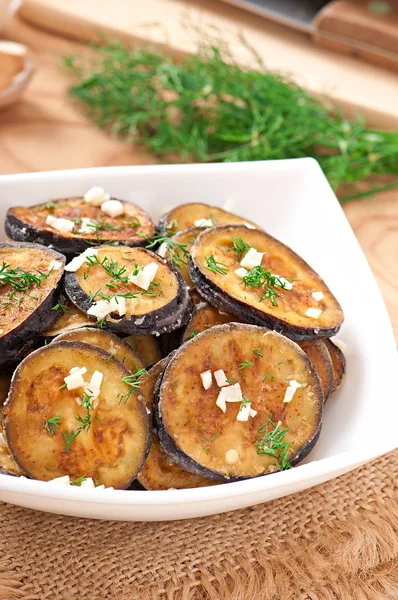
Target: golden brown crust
[[339, 364], [184, 217], [159, 472], [131, 226], [113, 448], [197, 427], [288, 315]]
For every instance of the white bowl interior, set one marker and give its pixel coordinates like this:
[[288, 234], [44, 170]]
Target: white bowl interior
[[292, 201]]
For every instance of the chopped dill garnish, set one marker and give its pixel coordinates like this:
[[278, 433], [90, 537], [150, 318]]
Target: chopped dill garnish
[[247, 363], [231, 381], [215, 266], [245, 402], [133, 382], [257, 352], [68, 440], [192, 334], [62, 307], [258, 277], [20, 281], [240, 247], [215, 436], [273, 443], [79, 481], [53, 423], [177, 253], [265, 377]]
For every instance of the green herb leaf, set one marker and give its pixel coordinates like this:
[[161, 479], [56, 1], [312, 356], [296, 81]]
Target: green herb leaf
[[206, 107], [53, 423], [273, 443], [257, 352], [215, 266], [62, 307]]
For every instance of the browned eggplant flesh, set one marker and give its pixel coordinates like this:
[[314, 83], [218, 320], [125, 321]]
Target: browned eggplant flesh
[[128, 290], [72, 410], [72, 224], [252, 275], [238, 401]]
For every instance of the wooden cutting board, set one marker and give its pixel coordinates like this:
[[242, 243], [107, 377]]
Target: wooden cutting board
[[178, 24]]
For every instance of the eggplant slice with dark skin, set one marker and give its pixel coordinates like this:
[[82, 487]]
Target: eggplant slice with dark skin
[[71, 318], [29, 292], [8, 466], [339, 364], [261, 296], [195, 432], [43, 422], [321, 361], [147, 347], [165, 306], [184, 216], [106, 341], [207, 316], [28, 224], [159, 472]]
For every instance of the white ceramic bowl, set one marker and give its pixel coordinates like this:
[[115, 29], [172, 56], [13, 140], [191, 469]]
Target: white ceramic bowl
[[293, 201]]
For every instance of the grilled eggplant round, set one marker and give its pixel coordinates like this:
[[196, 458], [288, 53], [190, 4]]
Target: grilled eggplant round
[[338, 362], [165, 306], [29, 292], [205, 317], [28, 224], [7, 462], [43, 422], [322, 363], [108, 342], [195, 432], [71, 318], [159, 472], [185, 216], [261, 296], [147, 347]]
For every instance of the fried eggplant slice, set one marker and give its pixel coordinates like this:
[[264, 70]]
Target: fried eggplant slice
[[338, 362], [105, 276], [186, 216], [262, 368], [275, 290], [70, 318], [28, 224], [30, 290], [159, 472], [322, 363], [205, 317], [7, 462], [108, 342], [147, 347], [52, 431]]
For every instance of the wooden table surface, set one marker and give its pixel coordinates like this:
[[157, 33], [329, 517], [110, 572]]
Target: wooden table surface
[[46, 131]]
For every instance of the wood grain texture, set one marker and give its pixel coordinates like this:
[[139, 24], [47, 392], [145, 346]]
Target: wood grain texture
[[46, 131]]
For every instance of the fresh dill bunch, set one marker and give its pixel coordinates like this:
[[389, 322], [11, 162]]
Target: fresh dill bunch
[[206, 107]]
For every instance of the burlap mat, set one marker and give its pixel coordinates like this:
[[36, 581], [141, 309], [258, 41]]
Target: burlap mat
[[336, 541]]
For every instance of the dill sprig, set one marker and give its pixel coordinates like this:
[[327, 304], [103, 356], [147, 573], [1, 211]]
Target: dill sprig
[[133, 382], [215, 266], [53, 423], [259, 277], [118, 274], [20, 281], [240, 247], [206, 107], [273, 443], [177, 253]]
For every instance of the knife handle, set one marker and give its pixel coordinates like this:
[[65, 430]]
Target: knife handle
[[365, 29]]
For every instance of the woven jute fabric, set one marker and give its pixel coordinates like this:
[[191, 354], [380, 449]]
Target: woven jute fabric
[[335, 541]]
